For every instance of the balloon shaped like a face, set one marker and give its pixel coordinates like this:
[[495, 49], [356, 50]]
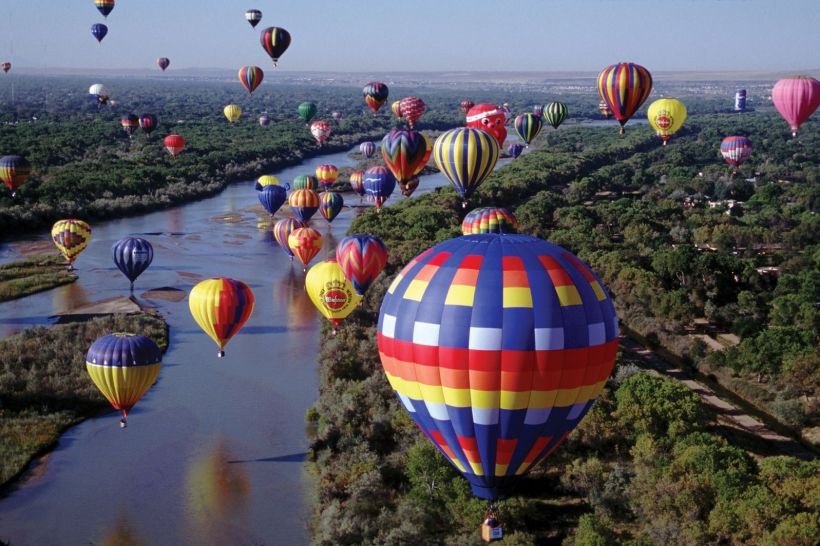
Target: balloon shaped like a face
[[490, 118]]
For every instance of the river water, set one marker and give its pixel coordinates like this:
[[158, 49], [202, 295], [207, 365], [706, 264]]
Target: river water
[[214, 452]]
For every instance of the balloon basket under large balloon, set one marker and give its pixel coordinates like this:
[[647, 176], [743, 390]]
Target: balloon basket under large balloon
[[123, 419], [220, 353], [622, 131], [464, 204]]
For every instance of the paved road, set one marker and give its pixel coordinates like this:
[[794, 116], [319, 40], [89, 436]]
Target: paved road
[[726, 411]]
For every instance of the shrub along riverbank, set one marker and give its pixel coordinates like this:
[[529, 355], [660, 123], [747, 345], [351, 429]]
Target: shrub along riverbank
[[647, 465], [45, 389], [35, 274]]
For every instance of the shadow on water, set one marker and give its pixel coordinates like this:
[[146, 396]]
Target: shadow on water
[[292, 458]]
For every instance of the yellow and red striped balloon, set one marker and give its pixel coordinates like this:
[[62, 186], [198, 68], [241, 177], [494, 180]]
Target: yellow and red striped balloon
[[221, 306], [305, 243], [624, 87]]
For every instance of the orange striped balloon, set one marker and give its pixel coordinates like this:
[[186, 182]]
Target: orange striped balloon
[[305, 243], [624, 87]]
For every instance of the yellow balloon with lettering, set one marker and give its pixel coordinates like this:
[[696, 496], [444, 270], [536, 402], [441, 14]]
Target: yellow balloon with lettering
[[666, 116], [331, 292]]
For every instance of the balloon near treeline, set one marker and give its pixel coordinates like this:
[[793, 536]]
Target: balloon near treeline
[[123, 367], [148, 122], [514, 150], [265, 180], [411, 109], [305, 182], [357, 182], [303, 203], [375, 94], [624, 87], [306, 110], [488, 117], [174, 144], [14, 171], [331, 292], [221, 306], [497, 346], [489, 220], [379, 184], [367, 149], [406, 153], [528, 126], [232, 112], [132, 256], [330, 205], [321, 131], [666, 116], [282, 230], [735, 150], [327, 175], [466, 157], [555, 113], [305, 243], [71, 236], [250, 77], [130, 123], [796, 98], [362, 258]]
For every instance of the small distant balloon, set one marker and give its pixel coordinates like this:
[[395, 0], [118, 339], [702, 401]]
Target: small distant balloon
[[148, 122], [14, 171], [253, 16], [321, 131], [250, 77], [275, 41], [104, 6], [375, 94], [233, 112], [99, 30], [264, 120], [5, 66], [367, 149], [174, 144], [163, 63]]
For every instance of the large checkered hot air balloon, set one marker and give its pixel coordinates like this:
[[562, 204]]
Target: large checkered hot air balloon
[[221, 306], [624, 87], [71, 237], [123, 367], [497, 345]]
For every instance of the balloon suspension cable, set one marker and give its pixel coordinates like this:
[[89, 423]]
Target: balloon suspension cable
[[132, 287]]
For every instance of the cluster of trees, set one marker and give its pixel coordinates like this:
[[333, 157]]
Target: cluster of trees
[[44, 387], [647, 463]]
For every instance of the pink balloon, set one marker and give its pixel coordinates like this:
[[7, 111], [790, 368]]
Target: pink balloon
[[796, 98]]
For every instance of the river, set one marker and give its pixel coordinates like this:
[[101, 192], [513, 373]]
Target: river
[[214, 453]]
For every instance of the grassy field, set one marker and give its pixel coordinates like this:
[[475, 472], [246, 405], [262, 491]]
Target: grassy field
[[44, 387], [35, 274]]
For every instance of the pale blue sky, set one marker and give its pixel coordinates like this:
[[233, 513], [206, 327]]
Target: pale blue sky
[[439, 35]]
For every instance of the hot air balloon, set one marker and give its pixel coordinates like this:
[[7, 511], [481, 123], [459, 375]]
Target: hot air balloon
[[489, 220], [104, 6], [282, 230], [624, 87], [515, 150], [666, 116], [740, 100], [489, 118], [253, 16], [796, 98], [274, 41], [264, 120], [367, 149], [362, 258], [735, 150], [265, 180], [163, 63], [327, 175], [305, 243], [357, 182], [250, 77], [221, 306], [555, 113], [527, 126], [497, 346], [395, 107], [123, 367], [379, 184], [321, 131], [174, 144], [99, 92], [465, 105], [307, 110], [71, 237], [272, 197], [130, 123], [604, 109], [98, 31], [405, 153], [14, 171], [336, 115], [132, 256], [466, 156], [303, 203], [6, 67], [375, 94], [233, 112], [330, 204], [505, 109], [331, 292], [148, 122], [538, 110], [305, 182], [411, 109]]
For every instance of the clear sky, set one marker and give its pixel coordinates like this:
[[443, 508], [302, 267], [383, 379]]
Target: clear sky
[[413, 35]]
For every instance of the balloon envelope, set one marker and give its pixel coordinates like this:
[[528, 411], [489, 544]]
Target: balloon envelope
[[174, 144], [379, 184], [272, 197], [14, 171], [275, 41], [282, 230], [406, 153], [466, 157], [330, 204], [71, 237], [330, 291], [163, 63], [489, 220], [375, 94], [306, 111], [796, 99], [624, 87], [99, 31], [305, 243], [253, 16], [303, 203], [233, 112], [666, 116], [148, 122], [497, 346], [555, 113], [123, 367], [527, 126], [735, 150], [250, 77], [490, 118], [221, 306], [132, 256], [362, 258], [411, 109]]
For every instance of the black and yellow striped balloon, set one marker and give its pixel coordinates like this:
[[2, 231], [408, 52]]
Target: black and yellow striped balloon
[[466, 156], [555, 113], [71, 237]]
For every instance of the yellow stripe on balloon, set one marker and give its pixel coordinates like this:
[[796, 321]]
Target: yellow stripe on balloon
[[123, 386]]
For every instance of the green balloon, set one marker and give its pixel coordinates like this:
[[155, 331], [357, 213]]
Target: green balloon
[[306, 111]]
